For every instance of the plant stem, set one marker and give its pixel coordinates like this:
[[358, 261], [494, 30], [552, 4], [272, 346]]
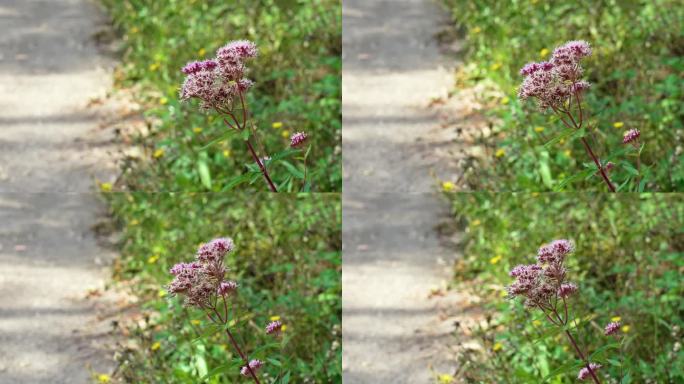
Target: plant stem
[[598, 164], [255, 157], [588, 148], [581, 355], [261, 166], [242, 355]]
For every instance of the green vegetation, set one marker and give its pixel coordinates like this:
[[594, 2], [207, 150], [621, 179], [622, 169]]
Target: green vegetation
[[636, 74], [297, 88], [287, 262], [628, 262]]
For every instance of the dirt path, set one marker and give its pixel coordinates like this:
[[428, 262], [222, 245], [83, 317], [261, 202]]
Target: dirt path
[[393, 257], [50, 150]]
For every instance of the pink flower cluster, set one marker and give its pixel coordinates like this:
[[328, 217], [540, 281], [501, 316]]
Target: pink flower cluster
[[544, 281], [631, 136], [553, 82], [199, 280], [611, 328], [298, 139], [217, 81], [254, 365], [274, 328], [584, 372]]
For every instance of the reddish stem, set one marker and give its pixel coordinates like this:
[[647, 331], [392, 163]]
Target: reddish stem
[[589, 150], [598, 164], [581, 355], [255, 157], [261, 166], [242, 355]]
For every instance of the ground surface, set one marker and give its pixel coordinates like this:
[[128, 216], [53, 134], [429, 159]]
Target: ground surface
[[51, 148], [393, 258]]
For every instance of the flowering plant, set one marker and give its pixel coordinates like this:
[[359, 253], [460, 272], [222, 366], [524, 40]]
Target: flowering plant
[[543, 285], [202, 282], [557, 85], [221, 86]]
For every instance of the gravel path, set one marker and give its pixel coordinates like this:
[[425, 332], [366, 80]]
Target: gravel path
[[393, 257], [51, 147]]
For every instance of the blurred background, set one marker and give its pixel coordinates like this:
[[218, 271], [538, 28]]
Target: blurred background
[[636, 72]]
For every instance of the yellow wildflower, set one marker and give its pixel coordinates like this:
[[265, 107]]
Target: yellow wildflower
[[283, 328], [503, 293], [615, 319], [497, 347], [134, 222], [134, 30], [543, 53], [476, 222], [155, 66], [106, 187], [445, 378], [618, 124], [153, 259], [536, 323], [155, 346], [275, 318], [285, 134], [197, 130], [500, 152], [476, 30], [163, 101], [103, 378], [505, 100], [495, 259], [277, 125], [495, 66], [195, 322], [567, 152], [539, 129], [202, 52], [625, 328], [158, 153], [226, 153], [161, 293], [448, 186]]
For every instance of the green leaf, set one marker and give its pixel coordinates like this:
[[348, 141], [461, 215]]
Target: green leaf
[[569, 133], [219, 139], [642, 185], [598, 354], [232, 366], [274, 362], [286, 378], [584, 174], [629, 168], [569, 367], [235, 181], [205, 175], [245, 134], [293, 170], [545, 171]]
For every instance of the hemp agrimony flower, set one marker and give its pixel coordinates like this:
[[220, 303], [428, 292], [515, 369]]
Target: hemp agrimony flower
[[202, 283], [557, 86], [220, 84], [544, 287]]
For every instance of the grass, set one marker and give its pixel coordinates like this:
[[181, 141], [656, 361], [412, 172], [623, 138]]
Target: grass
[[298, 88], [636, 72]]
